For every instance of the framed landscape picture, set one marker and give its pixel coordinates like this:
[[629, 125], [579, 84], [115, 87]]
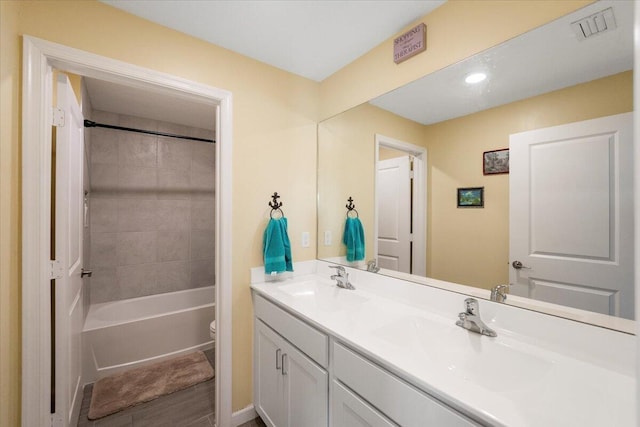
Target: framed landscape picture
[[472, 197], [495, 162]]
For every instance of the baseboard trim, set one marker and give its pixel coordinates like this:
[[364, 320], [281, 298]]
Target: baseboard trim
[[243, 415]]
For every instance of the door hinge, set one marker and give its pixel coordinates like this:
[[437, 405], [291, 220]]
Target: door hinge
[[411, 175], [55, 269], [57, 117]]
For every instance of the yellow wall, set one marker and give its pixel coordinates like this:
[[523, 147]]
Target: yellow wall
[[455, 31], [479, 238], [346, 160], [274, 135], [10, 224]]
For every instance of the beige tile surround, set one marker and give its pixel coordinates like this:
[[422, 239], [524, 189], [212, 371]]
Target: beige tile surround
[[151, 209]]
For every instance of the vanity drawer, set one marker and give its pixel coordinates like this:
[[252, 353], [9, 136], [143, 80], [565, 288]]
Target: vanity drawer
[[309, 340], [349, 410], [399, 401]]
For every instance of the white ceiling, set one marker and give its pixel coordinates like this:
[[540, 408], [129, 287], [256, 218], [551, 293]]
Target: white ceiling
[[311, 38], [548, 58]]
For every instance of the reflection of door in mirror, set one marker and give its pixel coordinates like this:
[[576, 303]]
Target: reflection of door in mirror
[[393, 202], [571, 220], [400, 192]]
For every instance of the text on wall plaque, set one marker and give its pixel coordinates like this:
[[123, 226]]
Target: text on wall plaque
[[410, 43]]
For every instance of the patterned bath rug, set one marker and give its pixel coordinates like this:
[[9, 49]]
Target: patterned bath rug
[[120, 391]]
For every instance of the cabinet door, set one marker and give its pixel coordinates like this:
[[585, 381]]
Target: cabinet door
[[269, 390], [306, 390], [348, 410]]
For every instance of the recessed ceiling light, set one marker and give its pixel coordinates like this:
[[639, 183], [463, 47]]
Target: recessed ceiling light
[[475, 78]]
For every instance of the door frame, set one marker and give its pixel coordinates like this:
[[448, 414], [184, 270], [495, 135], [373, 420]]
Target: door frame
[[39, 58], [419, 254]]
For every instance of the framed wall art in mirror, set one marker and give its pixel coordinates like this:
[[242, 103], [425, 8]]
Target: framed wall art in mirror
[[471, 197], [495, 162]]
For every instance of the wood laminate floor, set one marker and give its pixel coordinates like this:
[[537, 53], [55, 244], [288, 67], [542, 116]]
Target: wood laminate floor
[[191, 407]]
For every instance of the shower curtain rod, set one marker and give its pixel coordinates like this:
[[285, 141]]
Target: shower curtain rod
[[90, 124]]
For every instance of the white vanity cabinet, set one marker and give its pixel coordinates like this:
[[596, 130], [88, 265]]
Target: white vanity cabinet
[[291, 381], [290, 388]]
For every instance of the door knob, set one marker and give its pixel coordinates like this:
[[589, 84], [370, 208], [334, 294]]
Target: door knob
[[519, 266], [86, 273]]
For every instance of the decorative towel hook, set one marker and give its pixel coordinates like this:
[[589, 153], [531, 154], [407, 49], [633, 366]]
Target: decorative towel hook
[[275, 205], [351, 208]]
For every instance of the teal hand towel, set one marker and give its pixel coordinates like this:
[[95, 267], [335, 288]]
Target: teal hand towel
[[276, 247], [353, 239]]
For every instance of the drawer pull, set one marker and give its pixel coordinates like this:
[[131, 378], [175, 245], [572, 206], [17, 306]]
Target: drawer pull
[[284, 358], [278, 351]]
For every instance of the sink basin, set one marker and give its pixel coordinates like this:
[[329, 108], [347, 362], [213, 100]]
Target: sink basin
[[325, 296], [304, 289], [497, 364]]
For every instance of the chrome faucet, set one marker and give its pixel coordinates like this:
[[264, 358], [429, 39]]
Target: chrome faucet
[[372, 266], [498, 293], [470, 319], [342, 278]]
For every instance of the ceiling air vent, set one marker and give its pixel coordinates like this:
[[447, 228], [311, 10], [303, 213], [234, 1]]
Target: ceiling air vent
[[595, 24]]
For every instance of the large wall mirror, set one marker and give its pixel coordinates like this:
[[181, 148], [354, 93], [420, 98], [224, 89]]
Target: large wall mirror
[[523, 178]]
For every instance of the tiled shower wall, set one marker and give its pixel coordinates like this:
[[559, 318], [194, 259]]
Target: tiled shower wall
[[151, 209]]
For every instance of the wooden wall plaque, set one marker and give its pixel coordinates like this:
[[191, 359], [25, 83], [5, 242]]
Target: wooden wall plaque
[[410, 43]]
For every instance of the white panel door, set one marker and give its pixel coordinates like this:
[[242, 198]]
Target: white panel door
[[393, 199], [571, 215], [69, 154]]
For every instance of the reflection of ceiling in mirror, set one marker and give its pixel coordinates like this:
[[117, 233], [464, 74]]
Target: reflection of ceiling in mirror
[[546, 59]]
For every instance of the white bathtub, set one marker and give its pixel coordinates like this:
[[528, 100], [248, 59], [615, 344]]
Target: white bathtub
[[123, 334]]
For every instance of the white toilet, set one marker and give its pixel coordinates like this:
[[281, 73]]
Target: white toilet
[[212, 331]]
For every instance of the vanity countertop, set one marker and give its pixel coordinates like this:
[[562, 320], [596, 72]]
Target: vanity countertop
[[509, 380]]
